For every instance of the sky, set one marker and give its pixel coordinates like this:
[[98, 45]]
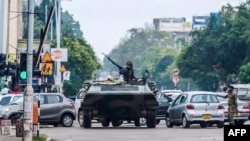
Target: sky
[[105, 22]]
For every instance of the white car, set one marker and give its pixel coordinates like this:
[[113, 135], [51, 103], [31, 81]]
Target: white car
[[80, 95], [6, 99]]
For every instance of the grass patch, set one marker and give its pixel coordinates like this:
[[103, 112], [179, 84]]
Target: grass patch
[[40, 138]]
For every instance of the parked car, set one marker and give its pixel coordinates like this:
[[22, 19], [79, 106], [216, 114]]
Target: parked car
[[72, 97], [55, 108], [243, 110], [171, 93], [195, 107], [79, 97], [6, 99], [164, 102]]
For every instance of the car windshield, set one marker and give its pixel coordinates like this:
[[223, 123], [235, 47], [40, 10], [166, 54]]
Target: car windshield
[[204, 98]]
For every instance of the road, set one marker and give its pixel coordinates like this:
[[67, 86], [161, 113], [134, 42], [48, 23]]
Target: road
[[128, 132]]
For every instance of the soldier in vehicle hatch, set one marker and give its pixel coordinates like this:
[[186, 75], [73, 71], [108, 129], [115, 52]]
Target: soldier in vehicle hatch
[[232, 104], [128, 72]]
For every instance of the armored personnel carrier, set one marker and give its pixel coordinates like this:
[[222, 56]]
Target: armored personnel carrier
[[114, 102]]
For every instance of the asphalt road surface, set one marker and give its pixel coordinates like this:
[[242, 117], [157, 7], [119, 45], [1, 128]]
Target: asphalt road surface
[[128, 132]]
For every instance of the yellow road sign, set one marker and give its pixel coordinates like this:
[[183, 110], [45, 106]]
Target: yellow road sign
[[62, 69], [47, 57], [46, 68]]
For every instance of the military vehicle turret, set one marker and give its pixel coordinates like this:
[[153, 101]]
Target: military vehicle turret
[[114, 102]]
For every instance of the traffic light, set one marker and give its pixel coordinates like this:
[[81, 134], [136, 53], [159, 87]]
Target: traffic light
[[12, 68], [36, 71], [2, 64], [23, 66]]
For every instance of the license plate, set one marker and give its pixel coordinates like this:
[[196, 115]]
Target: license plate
[[236, 114], [206, 116]]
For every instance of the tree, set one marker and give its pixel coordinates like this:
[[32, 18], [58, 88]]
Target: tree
[[82, 63]]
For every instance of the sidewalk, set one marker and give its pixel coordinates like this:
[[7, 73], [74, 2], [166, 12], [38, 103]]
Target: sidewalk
[[12, 136]]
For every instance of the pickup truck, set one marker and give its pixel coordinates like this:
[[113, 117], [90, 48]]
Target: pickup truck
[[243, 92]]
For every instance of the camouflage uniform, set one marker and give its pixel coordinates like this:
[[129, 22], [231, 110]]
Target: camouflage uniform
[[232, 106], [128, 72]]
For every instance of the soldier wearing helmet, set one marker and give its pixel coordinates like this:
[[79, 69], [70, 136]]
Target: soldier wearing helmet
[[128, 72]]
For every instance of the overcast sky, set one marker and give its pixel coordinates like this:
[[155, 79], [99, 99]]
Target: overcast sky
[[105, 22]]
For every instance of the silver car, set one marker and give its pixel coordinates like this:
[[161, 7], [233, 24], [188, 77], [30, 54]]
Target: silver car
[[243, 110], [195, 107], [55, 109]]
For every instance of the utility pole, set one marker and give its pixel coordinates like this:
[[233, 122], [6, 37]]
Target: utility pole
[[58, 35], [28, 94]]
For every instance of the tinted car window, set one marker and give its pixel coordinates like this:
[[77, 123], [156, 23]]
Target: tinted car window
[[5, 100], [53, 99], [201, 98], [41, 99], [183, 98]]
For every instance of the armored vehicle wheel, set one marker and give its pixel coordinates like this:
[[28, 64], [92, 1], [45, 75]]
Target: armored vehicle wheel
[[137, 122], [117, 123], [105, 122], [86, 119], [151, 121], [158, 121]]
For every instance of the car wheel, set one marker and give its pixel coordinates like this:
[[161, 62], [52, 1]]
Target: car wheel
[[203, 125], [158, 121], [185, 122], [137, 122], [143, 121], [105, 122], [67, 120], [240, 122], [169, 124], [220, 124], [80, 118]]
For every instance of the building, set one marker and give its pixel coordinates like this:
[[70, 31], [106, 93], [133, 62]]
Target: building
[[177, 27], [11, 27], [199, 22]]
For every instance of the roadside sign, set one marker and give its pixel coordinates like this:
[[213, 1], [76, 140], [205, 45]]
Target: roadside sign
[[46, 68], [59, 55], [47, 57], [66, 75], [175, 79], [62, 69]]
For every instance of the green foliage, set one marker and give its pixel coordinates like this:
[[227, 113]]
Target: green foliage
[[82, 63], [219, 50], [148, 49], [244, 73]]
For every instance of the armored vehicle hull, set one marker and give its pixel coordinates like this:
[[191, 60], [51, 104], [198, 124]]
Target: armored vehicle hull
[[116, 103]]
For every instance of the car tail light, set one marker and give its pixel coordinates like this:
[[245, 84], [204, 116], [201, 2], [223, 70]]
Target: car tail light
[[220, 106], [72, 104], [245, 107], [190, 106]]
